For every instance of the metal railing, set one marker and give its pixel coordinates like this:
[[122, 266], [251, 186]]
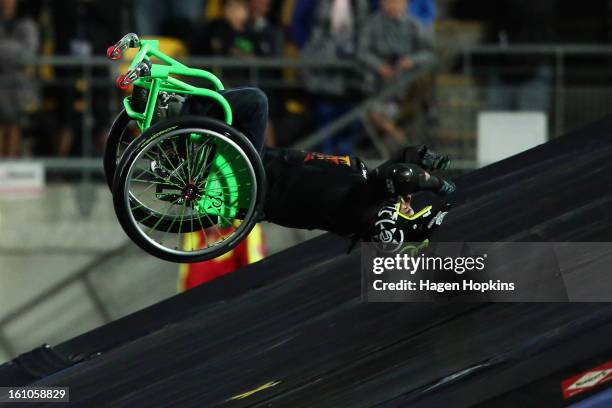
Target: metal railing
[[360, 113], [558, 54], [88, 70], [255, 67]]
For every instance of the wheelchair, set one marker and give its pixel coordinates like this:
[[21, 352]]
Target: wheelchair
[[185, 188]]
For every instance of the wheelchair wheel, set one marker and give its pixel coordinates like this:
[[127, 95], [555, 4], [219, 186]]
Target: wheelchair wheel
[[122, 132], [188, 176]]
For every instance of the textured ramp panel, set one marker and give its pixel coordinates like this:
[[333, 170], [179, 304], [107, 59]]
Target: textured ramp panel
[[292, 331], [559, 191]]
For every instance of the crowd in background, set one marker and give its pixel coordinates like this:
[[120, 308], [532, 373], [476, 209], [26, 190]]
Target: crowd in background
[[356, 30], [385, 38]]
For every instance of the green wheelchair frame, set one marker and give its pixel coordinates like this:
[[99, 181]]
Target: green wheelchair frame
[[158, 78]]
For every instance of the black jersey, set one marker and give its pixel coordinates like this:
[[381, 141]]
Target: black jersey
[[311, 190]]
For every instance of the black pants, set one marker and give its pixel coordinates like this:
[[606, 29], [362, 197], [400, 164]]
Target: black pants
[[249, 107]]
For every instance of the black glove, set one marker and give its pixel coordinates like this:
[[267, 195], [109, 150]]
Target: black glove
[[431, 160], [422, 156], [403, 179]]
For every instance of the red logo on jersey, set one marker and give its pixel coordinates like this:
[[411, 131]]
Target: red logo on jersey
[[337, 160]]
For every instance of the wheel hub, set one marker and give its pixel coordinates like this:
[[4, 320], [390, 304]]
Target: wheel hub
[[191, 192]]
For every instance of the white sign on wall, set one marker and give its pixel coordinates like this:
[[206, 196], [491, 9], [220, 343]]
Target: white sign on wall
[[504, 134], [21, 179]]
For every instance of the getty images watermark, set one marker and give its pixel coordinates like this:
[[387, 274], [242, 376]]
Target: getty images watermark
[[412, 264], [516, 271]]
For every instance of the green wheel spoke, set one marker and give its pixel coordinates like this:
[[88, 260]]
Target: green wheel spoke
[[227, 219], [177, 155], [166, 180], [178, 237], [154, 227], [201, 161], [203, 181], [146, 218], [211, 163], [147, 188], [136, 207], [173, 186], [203, 232], [191, 234], [210, 180], [170, 227], [218, 179], [143, 181], [188, 154], [174, 169], [213, 224], [227, 163], [156, 160], [223, 188]]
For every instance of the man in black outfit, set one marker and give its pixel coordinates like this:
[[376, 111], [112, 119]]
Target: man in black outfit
[[309, 190]]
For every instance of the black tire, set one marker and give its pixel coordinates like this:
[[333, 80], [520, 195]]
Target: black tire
[[158, 130], [116, 136]]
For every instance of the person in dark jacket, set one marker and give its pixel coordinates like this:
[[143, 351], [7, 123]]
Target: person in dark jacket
[[18, 41], [336, 25], [390, 44], [310, 190], [227, 36]]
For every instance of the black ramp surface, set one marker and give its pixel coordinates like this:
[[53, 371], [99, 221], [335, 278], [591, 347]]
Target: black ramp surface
[[292, 331]]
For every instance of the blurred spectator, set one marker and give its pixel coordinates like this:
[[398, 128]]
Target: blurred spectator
[[268, 43], [391, 43], [173, 18], [335, 25], [268, 39], [18, 40], [228, 35], [82, 28], [302, 21], [242, 32]]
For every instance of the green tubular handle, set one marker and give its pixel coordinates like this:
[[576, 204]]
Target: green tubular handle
[[131, 112], [161, 79]]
